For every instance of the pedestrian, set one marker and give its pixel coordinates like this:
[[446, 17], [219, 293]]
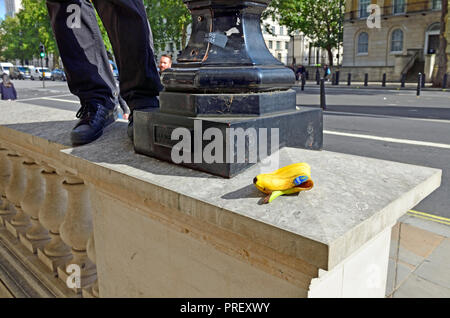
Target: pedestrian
[[326, 72], [7, 89], [165, 62], [301, 71], [86, 61]]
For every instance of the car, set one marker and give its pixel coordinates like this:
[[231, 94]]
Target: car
[[37, 73], [4, 67], [58, 74], [114, 69], [19, 72]]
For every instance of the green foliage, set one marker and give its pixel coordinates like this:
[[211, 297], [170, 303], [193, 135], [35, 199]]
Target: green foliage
[[319, 20], [169, 20]]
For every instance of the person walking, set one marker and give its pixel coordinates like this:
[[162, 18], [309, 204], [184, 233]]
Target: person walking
[[86, 61], [7, 89]]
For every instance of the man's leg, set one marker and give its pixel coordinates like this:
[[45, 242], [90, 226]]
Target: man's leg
[[86, 65], [131, 37]]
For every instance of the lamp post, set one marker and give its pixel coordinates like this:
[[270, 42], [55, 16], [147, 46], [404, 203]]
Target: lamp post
[[226, 78]]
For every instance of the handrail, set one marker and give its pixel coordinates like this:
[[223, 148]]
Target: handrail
[[410, 62]]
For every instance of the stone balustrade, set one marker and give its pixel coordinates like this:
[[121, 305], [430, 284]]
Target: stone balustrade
[[102, 221]]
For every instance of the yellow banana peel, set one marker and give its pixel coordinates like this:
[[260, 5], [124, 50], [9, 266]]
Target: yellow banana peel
[[287, 180]]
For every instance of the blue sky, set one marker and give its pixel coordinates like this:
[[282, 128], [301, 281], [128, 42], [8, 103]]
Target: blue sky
[[2, 9]]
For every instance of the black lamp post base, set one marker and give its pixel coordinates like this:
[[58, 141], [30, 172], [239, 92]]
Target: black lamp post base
[[295, 128]]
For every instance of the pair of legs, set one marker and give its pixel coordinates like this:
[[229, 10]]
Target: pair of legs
[[86, 62]]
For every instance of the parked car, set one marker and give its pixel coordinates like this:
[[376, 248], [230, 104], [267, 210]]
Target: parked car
[[19, 72], [37, 73], [4, 67], [58, 74], [114, 69]]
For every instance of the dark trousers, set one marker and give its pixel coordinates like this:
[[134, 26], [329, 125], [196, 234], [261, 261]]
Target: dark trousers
[[84, 55]]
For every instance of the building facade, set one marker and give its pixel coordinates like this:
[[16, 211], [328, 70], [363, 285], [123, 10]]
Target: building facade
[[394, 37], [12, 7], [277, 41]]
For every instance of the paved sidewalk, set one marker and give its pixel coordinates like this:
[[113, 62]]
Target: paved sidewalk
[[419, 260]]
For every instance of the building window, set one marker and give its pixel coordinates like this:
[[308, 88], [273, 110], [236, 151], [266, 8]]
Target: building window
[[397, 41], [363, 4], [363, 43], [281, 30], [270, 44], [278, 45], [436, 4], [399, 6], [273, 30], [279, 57], [286, 45]]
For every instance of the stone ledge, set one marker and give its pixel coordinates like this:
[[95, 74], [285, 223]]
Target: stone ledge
[[354, 199]]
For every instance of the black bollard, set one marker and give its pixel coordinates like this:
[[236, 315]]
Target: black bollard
[[349, 79], [403, 80], [303, 78], [419, 84], [323, 103], [307, 75], [338, 73], [423, 80], [317, 76], [366, 79], [444, 82], [383, 83], [333, 79]]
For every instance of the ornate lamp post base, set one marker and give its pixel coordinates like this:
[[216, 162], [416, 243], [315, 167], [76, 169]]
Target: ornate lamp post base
[[225, 82]]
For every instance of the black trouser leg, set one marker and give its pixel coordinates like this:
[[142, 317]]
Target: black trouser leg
[[131, 37], [82, 51]]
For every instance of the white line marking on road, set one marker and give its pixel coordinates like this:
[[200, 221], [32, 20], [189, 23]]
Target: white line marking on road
[[35, 98], [61, 100], [386, 139], [443, 121]]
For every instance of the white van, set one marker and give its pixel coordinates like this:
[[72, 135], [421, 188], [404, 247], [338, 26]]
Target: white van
[[4, 67]]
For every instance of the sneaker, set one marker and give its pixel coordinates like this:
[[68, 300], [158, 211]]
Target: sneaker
[[94, 117]]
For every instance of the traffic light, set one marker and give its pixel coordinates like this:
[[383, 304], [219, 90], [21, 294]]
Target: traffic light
[[42, 50]]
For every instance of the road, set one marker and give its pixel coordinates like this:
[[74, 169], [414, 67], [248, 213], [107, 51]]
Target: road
[[385, 124]]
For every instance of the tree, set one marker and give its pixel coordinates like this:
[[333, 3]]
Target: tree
[[169, 20], [319, 20], [442, 58]]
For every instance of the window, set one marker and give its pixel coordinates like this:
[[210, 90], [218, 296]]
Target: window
[[270, 44], [281, 30], [397, 41], [399, 6], [363, 43], [273, 30], [436, 4], [286, 45], [278, 45], [279, 57], [363, 4]]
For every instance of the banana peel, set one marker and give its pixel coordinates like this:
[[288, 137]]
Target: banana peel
[[284, 181]]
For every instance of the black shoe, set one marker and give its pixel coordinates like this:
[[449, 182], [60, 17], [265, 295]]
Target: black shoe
[[94, 117]]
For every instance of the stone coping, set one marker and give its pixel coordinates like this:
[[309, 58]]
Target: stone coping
[[354, 198]]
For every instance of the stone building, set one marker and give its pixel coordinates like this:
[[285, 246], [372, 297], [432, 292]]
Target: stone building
[[12, 7], [405, 41]]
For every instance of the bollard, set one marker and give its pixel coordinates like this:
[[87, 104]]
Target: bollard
[[317, 76], [338, 74], [419, 84], [444, 82], [307, 75], [333, 79], [323, 103], [349, 79], [303, 78], [403, 80], [423, 80], [383, 83], [366, 79]]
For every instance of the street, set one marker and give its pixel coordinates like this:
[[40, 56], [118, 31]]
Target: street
[[384, 124]]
